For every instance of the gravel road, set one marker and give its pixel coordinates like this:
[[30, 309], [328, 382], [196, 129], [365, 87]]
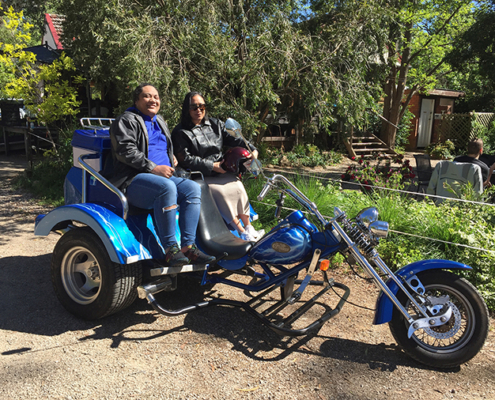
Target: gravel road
[[216, 353]]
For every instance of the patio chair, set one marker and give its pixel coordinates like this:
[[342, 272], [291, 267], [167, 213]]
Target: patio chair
[[456, 175], [423, 169]]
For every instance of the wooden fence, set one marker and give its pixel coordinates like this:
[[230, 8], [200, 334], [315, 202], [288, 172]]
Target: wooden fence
[[461, 128]]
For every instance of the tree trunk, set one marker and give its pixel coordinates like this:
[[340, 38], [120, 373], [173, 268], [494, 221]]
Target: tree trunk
[[394, 91]]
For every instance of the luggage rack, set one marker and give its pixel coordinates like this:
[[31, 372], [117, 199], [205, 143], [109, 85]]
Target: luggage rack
[[96, 123]]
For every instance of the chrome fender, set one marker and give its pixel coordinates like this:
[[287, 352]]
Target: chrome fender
[[384, 306], [119, 241]]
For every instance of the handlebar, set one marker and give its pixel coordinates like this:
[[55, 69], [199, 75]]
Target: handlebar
[[264, 191], [294, 192]]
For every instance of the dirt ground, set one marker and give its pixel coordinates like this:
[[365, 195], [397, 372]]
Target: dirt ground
[[215, 353]]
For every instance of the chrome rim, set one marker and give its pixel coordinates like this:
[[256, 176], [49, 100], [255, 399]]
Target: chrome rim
[[81, 275], [457, 332]]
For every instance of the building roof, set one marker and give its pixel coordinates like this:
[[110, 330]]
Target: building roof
[[54, 26], [44, 53], [446, 93]]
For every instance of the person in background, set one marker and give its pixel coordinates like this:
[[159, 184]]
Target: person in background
[[198, 143], [143, 168], [474, 151]]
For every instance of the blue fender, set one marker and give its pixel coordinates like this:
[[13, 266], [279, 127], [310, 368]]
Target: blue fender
[[119, 241], [384, 305]]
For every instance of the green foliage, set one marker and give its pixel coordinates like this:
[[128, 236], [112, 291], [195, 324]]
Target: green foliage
[[301, 156], [380, 172], [45, 89], [46, 179], [421, 33], [473, 59], [441, 150], [250, 59]]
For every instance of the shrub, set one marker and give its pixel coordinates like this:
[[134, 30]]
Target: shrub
[[381, 174], [441, 150]]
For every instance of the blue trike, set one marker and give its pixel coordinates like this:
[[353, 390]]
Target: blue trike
[[109, 254]]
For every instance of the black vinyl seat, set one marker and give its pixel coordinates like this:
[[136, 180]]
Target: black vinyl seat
[[423, 169], [212, 235]]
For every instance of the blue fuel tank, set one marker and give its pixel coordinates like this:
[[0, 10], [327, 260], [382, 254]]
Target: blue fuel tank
[[287, 243]]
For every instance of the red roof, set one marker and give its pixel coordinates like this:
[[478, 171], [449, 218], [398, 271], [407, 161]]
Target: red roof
[[54, 23]]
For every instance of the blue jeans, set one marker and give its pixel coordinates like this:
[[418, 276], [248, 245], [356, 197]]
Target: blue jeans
[[155, 192]]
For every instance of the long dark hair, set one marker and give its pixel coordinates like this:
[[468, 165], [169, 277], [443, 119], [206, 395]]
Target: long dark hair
[[185, 118], [138, 91]]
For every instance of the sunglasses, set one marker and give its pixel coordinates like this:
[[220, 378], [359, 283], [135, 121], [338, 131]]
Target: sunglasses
[[194, 107]]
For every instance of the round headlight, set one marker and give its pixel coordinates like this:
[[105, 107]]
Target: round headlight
[[367, 216]]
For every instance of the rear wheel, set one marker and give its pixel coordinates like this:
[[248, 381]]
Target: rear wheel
[[455, 342], [86, 281]]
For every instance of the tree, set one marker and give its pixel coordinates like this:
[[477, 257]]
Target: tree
[[34, 11], [420, 36], [474, 61], [46, 90], [249, 58]]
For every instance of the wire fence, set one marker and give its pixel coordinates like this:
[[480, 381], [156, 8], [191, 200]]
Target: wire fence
[[406, 192]]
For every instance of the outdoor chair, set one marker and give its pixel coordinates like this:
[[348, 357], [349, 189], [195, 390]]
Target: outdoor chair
[[423, 169], [455, 175]]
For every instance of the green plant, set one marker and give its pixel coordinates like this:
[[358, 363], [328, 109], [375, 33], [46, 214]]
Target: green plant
[[46, 179], [382, 173], [441, 150], [46, 89]]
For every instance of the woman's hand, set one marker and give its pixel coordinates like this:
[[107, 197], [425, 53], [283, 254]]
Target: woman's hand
[[253, 154], [175, 161], [217, 167], [163, 170]]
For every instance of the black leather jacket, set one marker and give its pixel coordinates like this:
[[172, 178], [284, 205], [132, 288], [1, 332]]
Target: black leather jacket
[[129, 139], [197, 148]]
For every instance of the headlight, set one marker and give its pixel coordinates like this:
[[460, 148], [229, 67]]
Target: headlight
[[367, 216], [379, 229]]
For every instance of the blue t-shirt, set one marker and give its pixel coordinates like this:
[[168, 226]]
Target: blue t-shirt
[[157, 141]]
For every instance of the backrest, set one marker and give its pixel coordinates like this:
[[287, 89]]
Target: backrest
[[211, 222], [423, 167]]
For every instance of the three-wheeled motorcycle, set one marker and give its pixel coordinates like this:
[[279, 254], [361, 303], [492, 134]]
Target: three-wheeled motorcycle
[[109, 254]]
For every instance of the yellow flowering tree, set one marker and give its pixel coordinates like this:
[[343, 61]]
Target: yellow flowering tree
[[47, 90]]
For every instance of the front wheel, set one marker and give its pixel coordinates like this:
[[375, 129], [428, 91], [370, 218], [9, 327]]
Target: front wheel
[[86, 281], [455, 342]]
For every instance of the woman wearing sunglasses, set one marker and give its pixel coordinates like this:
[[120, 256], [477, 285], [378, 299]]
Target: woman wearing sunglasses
[[198, 143]]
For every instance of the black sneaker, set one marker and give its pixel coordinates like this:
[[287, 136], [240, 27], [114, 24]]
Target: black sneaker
[[175, 257], [197, 256]]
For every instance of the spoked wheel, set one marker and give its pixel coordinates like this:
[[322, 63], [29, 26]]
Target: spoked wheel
[[455, 342], [86, 281]]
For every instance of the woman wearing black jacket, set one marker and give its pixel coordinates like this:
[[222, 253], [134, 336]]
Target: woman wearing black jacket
[[198, 143]]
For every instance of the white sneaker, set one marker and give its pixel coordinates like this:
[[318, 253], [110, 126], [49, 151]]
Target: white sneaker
[[257, 235], [247, 237]]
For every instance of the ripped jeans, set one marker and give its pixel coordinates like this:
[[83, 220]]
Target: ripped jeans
[[155, 192]]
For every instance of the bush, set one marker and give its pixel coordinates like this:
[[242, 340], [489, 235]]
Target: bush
[[46, 179], [381, 174], [441, 150], [302, 156]]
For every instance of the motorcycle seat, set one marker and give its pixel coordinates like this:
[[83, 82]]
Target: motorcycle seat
[[213, 236]]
